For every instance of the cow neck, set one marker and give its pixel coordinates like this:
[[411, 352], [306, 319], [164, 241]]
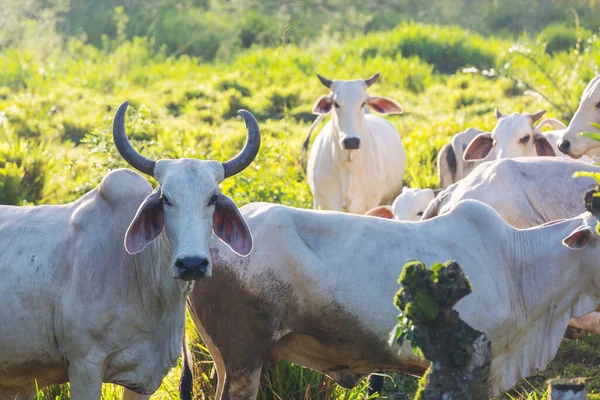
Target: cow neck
[[547, 290], [153, 282]]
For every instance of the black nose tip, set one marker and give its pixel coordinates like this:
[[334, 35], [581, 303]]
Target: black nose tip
[[351, 143], [189, 268], [564, 146]]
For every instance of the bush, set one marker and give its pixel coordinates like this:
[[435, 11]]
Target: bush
[[190, 32], [559, 38], [256, 28], [447, 49]]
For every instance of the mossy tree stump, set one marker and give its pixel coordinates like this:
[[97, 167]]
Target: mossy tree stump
[[460, 355]]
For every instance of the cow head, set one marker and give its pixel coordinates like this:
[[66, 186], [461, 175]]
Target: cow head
[[515, 135], [588, 114], [188, 204], [408, 206], [347, 102]]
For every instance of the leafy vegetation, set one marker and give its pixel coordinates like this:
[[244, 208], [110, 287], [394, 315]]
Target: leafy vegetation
[[64, 70]]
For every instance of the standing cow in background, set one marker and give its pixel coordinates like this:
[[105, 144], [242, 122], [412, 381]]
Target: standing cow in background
[[357, 161], [87, 288]]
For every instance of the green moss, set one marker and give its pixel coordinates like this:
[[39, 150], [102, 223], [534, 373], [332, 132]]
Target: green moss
[[422, 308]]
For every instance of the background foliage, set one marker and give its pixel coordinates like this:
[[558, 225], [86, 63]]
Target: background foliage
[[187, 67]]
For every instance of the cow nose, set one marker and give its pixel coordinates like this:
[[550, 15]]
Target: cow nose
[[351, 143], [190, 268], [564, 146]]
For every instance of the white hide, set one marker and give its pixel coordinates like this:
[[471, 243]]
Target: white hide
[[408, 206], [73, 296], [516, 275], [527, 192], [584, 119], [355, 180]]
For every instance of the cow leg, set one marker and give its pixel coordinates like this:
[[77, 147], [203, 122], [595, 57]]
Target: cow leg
[[86, 379], [129, 395], [241, 384]]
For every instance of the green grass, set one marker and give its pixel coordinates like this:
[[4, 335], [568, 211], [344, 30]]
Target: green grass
[[57, 102]]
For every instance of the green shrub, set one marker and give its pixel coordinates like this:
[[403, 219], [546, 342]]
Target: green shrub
[[446, 48], [559, 38], [257, 28]]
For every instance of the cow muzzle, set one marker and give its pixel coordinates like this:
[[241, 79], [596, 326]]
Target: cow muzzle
[[351, 143], [191, 268], [564, 146]]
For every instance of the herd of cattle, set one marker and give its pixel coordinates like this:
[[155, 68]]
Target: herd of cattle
[[88, 291]]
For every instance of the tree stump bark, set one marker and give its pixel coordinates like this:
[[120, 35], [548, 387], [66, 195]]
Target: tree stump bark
[[460, 355]]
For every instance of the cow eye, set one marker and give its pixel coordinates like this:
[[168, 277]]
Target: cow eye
[[213, 200], [420, 214], [336, 104], [165, 200], [363, 104], [525, 139], [598, 105]]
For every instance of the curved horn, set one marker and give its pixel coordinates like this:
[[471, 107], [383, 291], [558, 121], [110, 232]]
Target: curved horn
[[372, 80], [133, 158], [325, 81], [238, 163], [498, 114]]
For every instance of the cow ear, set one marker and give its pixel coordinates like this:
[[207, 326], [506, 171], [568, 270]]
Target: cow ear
[[384, 105], [579, 238], [381, 212], [230, 227], [323, 105], [146, 225], [479, 147], [543, 146]]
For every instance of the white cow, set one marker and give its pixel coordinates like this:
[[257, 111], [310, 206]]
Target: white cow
[[526, 192], [450, 162], [514, 135], [584, 120], [87, 288], [357, 161], [408, 206], [317, 289]]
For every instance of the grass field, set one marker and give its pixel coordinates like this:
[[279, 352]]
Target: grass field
[[58, 97]]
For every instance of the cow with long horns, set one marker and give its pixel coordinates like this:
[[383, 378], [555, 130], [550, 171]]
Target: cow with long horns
[[88, 291], [357, 161]]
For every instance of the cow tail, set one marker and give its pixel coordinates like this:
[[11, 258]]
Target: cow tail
[[319, 118], [186, 381]]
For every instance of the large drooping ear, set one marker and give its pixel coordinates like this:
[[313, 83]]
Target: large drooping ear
[[543, 146], [384, 105], [381, 212], [230, 227], [323, 105], [579, 238], [479, 147], [146, 225]]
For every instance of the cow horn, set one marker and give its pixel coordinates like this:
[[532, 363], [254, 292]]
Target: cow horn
[[372, 80], [238, 163], [498, 114], [325, 81], [133, 158]]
